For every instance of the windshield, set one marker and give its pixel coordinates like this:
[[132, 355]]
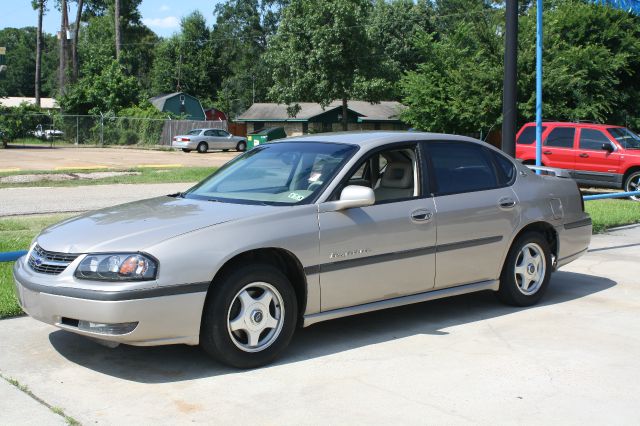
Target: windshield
[[625, 137], [195, 132], [275, 174]]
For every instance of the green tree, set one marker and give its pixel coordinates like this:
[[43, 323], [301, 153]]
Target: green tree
[[391, 28], [458, 89], [591, 64], [185, 60], [109, 90], [321, 53], [19, 79]]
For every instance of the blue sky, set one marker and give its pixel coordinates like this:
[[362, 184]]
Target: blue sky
[[162, 16]]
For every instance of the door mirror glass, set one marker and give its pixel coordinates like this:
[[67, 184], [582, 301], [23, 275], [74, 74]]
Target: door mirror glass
[[351, 196], [607, 147]]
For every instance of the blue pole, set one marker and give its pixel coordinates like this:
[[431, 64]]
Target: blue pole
[[10, 256], [539, 84], [613, 195]]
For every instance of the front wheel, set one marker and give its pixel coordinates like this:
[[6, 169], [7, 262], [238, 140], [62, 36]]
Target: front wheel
[[249, 317], [241, 147], [526, 272], [632, 184]]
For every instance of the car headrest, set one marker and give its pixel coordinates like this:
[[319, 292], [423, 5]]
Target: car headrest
[[397, 175]]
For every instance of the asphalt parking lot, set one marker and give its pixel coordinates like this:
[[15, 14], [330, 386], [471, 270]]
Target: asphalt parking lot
[[571, 360], [44, 158]]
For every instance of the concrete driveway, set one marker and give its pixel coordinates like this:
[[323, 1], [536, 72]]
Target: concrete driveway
[[571, 360], [44, 158]]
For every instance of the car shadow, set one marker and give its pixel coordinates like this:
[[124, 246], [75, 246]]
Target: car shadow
[[165, 364]]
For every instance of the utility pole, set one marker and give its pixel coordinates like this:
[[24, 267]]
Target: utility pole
[[39, 52], [64, 25], [510, 89], [74, 47], [117, 24]]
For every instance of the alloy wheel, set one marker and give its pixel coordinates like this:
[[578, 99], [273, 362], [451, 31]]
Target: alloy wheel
[[530, 269], [256, 317]]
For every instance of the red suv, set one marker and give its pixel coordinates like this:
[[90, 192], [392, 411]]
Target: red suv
[[596, 154]]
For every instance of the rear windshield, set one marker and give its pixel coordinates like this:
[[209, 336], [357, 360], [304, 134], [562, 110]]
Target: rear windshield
[[625, 137]]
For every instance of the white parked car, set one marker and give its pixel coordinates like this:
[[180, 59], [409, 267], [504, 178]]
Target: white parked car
[[203, 140]]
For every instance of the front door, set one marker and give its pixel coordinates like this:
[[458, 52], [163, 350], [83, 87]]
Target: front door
[[594, 163], [386, 250]]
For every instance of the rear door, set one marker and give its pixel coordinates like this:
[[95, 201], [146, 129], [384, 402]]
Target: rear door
[[594, 164], [476, 211], [558, 148]]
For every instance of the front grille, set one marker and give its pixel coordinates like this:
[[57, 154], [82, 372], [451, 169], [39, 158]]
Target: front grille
[[49, 262]]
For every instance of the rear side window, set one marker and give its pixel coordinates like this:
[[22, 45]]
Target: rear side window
[[593, 139], [561, 137], [461, 167], [528, 135], [506, 169]]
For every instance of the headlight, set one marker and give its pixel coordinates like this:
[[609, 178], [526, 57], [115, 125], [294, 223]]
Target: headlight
[[117, 267]]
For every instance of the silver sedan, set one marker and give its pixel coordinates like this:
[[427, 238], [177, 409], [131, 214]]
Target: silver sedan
[[203, 140], [305, 230]]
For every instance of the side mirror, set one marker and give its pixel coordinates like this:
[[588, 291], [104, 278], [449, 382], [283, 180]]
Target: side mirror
[[607, 147], [352, 196]]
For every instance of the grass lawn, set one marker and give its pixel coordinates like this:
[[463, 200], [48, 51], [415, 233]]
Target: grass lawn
[[147, 175], [611, 213], [16, 234]]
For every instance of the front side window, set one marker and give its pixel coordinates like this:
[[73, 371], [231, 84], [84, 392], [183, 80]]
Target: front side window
[[560, 137], [593, 140], [392, 174], [461, 167], [625, 137], [275, 174], [222, 133]]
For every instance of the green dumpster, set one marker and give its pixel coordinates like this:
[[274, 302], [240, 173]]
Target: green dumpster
[[265, 135]]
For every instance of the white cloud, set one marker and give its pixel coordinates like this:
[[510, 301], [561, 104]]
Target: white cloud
[[164, 8], [167, 22]]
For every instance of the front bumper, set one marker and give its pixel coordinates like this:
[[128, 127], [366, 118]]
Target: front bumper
[[163, 316]]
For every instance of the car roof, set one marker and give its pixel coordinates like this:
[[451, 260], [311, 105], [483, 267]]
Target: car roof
[[376, 138], [572, 124]]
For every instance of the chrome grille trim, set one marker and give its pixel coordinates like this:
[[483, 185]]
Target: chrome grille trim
[[49, 262]]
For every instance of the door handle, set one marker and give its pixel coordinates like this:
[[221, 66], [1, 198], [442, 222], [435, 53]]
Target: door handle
[[507, 203], [584, 155], [547, 152], [421, 215]]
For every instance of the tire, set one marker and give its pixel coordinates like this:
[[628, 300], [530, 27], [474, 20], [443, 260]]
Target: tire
[[186, 150], [632, 183], [519, 286], [241, 147], [203, 147], [225, 150], [224, 310]]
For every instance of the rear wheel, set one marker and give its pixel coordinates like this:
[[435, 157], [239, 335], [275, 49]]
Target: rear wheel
[[632, 183], [186, 150], [242, 146], [203, 147], [526, 272], [249, 317]]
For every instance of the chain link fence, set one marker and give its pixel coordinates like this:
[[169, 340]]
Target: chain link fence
[[103, 130]]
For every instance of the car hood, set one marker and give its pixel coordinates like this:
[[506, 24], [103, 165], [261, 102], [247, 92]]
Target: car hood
[[135, 226]]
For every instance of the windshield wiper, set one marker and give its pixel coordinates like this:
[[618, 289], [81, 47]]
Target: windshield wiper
[[176, 195]]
